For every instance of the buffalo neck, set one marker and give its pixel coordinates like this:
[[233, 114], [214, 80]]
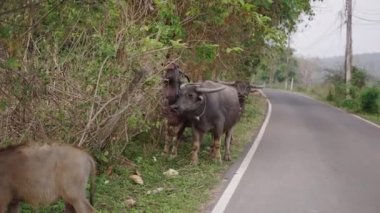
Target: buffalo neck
[[201, 110]]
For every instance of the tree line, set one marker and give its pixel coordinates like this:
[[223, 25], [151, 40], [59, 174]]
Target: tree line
[[89, 71]]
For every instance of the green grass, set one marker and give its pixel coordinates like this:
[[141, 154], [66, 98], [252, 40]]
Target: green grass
[[371, 117], [188, 191], [320, 93]]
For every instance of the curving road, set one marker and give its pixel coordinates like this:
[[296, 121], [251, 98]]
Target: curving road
[[312, 158]]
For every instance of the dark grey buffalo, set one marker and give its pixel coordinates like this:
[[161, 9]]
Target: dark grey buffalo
[[210, 107], [175, 124], [244, 88]]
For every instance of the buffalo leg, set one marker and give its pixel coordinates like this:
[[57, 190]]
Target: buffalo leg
[[83, 206], [177, 139], [216, 149], [69, 208], [197, 138], [14, 207], [3, 208], [169, 134], [218, 132], [4, 200], [227, 144], [75, 195]]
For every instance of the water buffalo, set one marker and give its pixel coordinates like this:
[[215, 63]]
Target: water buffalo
[[244, 88], [210, 107], [175, 124], [40, 174]]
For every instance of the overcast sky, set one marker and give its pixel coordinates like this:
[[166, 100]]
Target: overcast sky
[[325, 35]]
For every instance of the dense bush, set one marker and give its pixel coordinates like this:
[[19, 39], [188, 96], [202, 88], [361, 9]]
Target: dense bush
[[81, 71], [370, 99], [337, 92], [359, 77]]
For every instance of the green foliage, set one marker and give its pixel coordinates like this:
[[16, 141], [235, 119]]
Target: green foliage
[[370, 99], [206, 52], [330, 96], [234, 49], [350, 104], [5, 31], [359, 77], [3, 105], [362, 98], [183, 193], [68, 69], [12, 64]]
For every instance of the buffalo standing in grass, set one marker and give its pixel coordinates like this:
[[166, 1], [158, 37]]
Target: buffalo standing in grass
[[244, 88], [175, 124], [41, 174], [210, 107]]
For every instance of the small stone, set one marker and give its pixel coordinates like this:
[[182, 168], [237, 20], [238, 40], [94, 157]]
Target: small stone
[[137, 179], [130, 202], [159, 189], [171, 173]]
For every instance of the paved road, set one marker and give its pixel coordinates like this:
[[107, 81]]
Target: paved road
[[312, 159]]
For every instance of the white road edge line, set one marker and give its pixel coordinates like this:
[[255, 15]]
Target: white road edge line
[[365, 120], [231, 187]]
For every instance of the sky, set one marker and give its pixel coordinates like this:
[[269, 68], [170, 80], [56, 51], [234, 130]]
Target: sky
[[325, 34]]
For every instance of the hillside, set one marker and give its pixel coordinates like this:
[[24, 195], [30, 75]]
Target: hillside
[[369, 62]]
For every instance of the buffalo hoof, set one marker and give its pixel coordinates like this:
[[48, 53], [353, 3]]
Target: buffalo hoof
[[172, 156], [213, 152], [218, 160], [227, 157], [194, 162], [165, 151]]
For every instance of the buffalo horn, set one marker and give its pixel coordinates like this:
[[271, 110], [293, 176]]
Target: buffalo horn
[[225, 83], [210, 90], [186, 76], [188, 84], [256, 86]]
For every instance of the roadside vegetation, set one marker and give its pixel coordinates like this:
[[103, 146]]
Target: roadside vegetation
[[327, 84], [364, 98], [185, 192], [88, 72]]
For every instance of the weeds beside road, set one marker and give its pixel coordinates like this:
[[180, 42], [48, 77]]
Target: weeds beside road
[[364, 102], [186, 192]]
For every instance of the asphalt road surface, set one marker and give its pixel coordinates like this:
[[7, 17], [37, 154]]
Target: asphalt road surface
[[312, 159]]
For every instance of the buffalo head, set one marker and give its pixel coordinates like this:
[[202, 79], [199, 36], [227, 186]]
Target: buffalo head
[[172, 80], [192, 97]]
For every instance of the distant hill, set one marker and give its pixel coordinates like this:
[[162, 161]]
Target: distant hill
[[369, 62]]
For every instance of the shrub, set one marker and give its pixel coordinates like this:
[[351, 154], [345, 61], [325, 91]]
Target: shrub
[[351, 104], [330, 95], [369, 100], [359, 77]]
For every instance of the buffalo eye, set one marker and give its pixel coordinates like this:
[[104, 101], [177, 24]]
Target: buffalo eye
[[190, 95], [165, 81]]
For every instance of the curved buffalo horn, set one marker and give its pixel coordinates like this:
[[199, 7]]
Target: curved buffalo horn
[[189, 84], [186, 76], [226, 83], [256, 86], [209, 90]]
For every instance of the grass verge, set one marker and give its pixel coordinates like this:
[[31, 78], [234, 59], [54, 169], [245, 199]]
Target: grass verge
[[186, 192], [320, 93]]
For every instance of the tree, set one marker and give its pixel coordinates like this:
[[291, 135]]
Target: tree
[[68, 68]]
